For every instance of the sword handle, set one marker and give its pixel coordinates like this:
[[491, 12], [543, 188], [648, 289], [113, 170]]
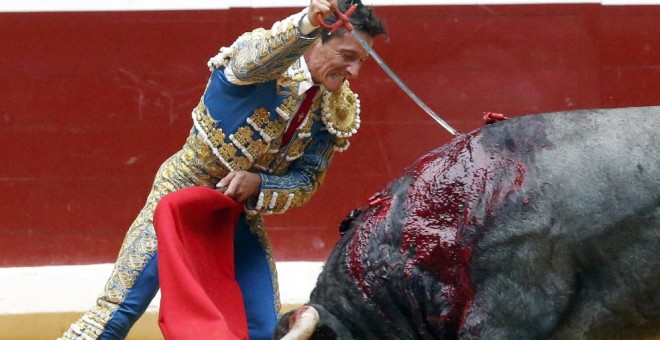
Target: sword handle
[[343, 20]]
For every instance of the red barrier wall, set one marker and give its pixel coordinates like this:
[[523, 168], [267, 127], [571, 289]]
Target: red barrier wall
[[92, 103]]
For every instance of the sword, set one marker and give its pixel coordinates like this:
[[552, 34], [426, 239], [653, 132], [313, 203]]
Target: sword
[[344, 21]]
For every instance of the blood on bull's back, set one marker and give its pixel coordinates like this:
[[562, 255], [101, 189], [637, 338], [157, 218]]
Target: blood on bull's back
[[540, 226]]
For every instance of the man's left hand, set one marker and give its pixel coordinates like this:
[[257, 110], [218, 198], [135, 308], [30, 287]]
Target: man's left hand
[[240, 185]]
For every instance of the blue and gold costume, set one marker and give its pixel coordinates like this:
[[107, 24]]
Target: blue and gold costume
[[255, 88]]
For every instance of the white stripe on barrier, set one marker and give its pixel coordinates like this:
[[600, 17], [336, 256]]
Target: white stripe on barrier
[[61, 289], [163, 5]]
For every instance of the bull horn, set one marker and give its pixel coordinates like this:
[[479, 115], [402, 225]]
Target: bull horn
[[302, 324]]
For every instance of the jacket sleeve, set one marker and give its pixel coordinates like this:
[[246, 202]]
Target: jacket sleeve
[[264, 54], [294, 188]]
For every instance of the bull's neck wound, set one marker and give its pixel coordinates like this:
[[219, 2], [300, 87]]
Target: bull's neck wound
[[451, 190]]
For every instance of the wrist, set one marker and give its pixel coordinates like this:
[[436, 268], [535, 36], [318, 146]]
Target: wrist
[[307, 25]]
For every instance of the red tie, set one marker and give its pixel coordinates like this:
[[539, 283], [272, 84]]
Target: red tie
[[300, 114]]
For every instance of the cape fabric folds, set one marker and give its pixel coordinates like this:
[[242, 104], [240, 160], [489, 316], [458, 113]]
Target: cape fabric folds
[[200, 298]]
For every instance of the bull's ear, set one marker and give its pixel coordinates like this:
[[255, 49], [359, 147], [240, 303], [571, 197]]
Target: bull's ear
[[345, 225]]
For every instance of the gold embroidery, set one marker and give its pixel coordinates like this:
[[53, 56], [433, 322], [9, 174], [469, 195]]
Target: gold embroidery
[[263, 54], [341, 144], [289, 105], [260, 117], [274, 129], [269, 129], [264, 161], [228, 151], [207, 125], [341, 112], [244, 140], [242, 163], [300, 141]]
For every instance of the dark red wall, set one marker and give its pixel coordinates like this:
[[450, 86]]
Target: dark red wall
[[92, 103]]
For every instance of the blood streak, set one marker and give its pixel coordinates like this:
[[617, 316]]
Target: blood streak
[[450, 194], [429, 222], [362, 236]]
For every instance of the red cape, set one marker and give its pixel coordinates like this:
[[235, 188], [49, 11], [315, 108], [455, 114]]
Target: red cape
[[200, 298]]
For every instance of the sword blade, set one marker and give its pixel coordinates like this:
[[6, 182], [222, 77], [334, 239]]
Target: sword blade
[[401, 84]]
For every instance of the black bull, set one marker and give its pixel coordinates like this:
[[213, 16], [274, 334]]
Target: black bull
[[542, 226]]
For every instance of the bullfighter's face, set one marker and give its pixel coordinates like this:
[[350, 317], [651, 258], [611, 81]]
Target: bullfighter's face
[[337, 59]]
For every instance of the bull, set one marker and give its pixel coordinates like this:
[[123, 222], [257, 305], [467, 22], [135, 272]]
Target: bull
[[542, 226]]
